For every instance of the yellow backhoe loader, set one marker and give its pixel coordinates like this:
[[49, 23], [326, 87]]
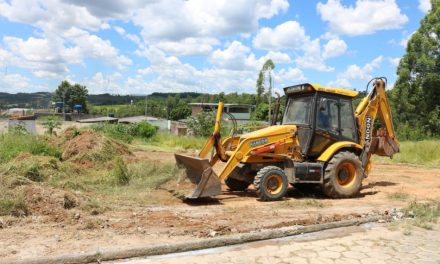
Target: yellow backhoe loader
[[321, 140]]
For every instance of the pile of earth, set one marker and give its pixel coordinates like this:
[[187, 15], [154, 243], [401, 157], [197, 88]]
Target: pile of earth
[[91, 148]]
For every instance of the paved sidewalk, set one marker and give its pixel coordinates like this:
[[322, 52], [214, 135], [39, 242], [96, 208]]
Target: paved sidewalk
[[345, 245]]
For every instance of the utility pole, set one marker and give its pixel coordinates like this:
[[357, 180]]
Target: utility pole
[[64, 106], [146, 105], [270, 95]]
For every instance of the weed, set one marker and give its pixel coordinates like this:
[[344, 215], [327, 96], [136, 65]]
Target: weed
[[424, 213], [120, 172], [398, 196], [305, 203], [127, 132], [13, 203]]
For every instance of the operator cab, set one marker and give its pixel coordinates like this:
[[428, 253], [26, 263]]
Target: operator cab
[[322, 115]]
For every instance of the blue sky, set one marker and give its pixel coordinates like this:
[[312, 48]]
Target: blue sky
[[141, 47]]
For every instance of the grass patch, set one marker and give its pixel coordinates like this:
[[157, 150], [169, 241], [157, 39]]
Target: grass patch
[[168, 142], [12, 144], [425, 152], [424, 214], [126, 132], [152, 174], [398, 196], [305, 203], [12, 202]]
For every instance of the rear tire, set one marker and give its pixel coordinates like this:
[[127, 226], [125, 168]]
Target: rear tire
[[236, 185], [343, 176], [271, 183]]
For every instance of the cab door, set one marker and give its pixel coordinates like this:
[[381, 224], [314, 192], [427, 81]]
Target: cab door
[[334, 121]]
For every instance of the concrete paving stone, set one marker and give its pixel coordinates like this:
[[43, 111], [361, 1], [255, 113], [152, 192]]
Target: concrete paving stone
[[337, 248], [329, 254], [372, 261], [354, 255], [406, 249], [378, 255], [346, 261], [307, 253], [321, 261], [296, 260], [363, 249], [425, 261]]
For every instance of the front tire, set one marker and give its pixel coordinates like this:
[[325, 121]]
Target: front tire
[[271, 183], [343, 176]]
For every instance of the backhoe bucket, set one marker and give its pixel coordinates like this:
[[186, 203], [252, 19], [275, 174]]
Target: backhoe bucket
[[200, 173]]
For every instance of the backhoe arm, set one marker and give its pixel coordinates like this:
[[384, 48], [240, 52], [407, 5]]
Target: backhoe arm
[[384, 142]]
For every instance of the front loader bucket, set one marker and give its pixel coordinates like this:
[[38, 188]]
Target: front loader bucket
[[200, 173]]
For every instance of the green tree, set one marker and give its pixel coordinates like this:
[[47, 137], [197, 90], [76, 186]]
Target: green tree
[[182, 111], [71, 95], [267, 66], [416, 94]]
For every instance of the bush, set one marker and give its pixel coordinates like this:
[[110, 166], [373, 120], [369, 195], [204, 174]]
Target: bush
[[51, 123], [202, 124], [126, 132], [145, 130]]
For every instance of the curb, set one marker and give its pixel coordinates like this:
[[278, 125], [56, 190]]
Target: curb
[[228, 240]]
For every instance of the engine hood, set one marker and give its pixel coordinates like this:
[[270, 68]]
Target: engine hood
[[270, 131]]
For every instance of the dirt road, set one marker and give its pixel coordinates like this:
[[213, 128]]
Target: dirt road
[[168, 219]]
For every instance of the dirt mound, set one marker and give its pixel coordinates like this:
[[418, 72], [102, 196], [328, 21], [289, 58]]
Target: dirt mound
[[48, 201], [90, 147]]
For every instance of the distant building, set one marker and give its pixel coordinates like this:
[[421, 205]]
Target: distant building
[[241, 112]]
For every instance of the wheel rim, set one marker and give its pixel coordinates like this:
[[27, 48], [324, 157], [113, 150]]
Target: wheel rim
[[274, 184], [346, 174]]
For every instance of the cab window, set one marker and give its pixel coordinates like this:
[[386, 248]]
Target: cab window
[[327, 116], [348, 129], [298, 110]]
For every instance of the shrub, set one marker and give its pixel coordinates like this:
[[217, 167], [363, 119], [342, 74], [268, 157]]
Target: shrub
[[145, 130], [202, 124], [51, 123]]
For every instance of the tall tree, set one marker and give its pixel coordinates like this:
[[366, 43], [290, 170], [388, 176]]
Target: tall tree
[[416, 94], [267, 66], [71, 95]]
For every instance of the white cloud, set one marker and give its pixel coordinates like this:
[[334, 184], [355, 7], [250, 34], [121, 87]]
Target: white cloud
[[355, 72], [334, 48], [101, 83], [288, 76], [95, 47], [43, 57], [16, 83], [50, 15], [199, 18], [188, 46], [288, 35], [424, 6], [234, 57], [394, 61], [365, 17], [276, 57], [312, 58]]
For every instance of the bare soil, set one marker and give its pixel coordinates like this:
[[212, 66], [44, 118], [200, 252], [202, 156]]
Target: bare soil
[[59, 230]]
